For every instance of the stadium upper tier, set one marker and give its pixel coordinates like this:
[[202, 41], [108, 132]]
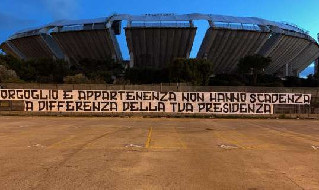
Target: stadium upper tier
[[154, 40]]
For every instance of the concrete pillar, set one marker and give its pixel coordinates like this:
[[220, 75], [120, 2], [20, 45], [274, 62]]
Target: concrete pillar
[[316, 71], [287, 70]]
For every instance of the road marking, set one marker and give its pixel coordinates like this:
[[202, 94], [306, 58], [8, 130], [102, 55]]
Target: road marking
[[148, 141], [228, 140]]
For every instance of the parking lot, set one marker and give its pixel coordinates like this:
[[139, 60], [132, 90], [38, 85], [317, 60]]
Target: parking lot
[[158, 153]]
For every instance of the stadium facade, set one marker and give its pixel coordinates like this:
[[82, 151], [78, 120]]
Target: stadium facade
[[154, 40]]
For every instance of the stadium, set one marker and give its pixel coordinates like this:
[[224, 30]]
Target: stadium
[[154, 40]]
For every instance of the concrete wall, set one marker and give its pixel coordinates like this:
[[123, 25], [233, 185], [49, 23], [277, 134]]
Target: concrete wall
[[158, 46], [8, 50], [90, 44], [296, 53], [33, 47], [296, 110], [226, 47]]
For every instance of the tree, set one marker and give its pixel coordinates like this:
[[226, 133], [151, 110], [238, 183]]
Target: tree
[[100, 70], [76, 79], [7, 75], [253, 65], [195, 71]]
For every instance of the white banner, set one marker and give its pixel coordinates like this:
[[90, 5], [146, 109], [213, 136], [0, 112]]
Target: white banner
[[151, 101]]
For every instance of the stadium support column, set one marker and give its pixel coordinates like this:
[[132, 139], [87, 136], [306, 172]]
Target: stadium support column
[[287, 70], [14, 50], [316, 71], [118, 55], [53, 46]]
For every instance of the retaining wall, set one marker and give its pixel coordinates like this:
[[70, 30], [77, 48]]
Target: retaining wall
[[302, 111]]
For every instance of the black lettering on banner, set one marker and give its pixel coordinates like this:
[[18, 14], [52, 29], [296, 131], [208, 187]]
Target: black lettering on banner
[[67, 95], [27, 94], [97, 94], [185, 107], [151, 101], [42, 96], [105, 106], [217, 108], [61, 105], [282, 98], [226, 108], [69, 106], [172, 96], [291, 99], [133, 106], [20, 94], [209, 107], [201, 106], [268, 109], [298, 99], [121, 94], [87, 105], [235, 97], [105, 95], [161, 107], [113, 95], [259, 108], [268, 98], [113, 106], [212, 97], [243, 97], [261, 98], [220, 97], [4, 94], [11, 94], [78, 106], [52, 104], [189, 107], [96, 106], [252, 99], [34, 94], [138, 96], [89, 94], [181, 107], [55, 94], [243, 108], [28, 106], [155, 96], [250, 108], [274, 98], [126, 106], [81, 95], [142, 108], [193, 97], [146, 95], [42, 105], [152, 108], [173, 104], [306, 99], [164, 97], [234, 108]]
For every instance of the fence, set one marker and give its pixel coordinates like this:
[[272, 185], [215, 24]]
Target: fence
[[311, 110]]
